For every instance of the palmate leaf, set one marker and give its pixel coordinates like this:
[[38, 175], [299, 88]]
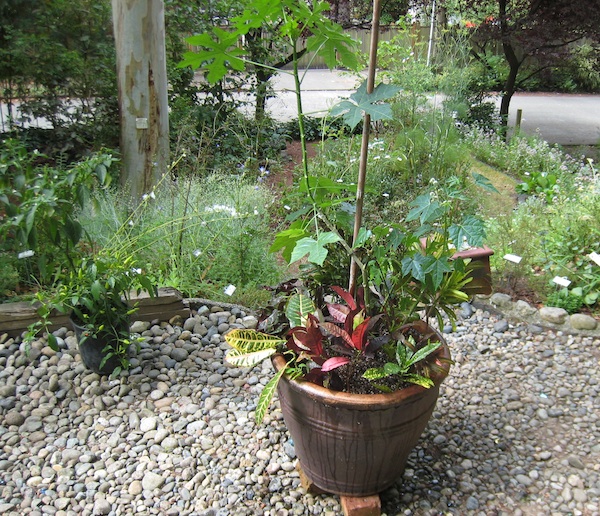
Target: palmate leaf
[[425, 209], [287, 240], [471, 230], [437, 268], [315, 249], [256, 15], [218, 54], [266, 396], [415, 266], [249, 341], [335, 47], [361, 102]]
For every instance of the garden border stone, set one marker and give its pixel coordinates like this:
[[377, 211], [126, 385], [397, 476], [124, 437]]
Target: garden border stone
[[546, 317]]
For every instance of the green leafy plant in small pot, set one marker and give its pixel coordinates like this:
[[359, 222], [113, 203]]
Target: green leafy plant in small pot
[[96, 294], [357, 369]]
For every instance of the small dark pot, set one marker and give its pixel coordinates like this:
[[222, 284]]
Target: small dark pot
[[357, 444], [92, 351]]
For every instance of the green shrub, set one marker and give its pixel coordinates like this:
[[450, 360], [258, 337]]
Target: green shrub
[[564, 299], [219, 138], [9, 276], [197, 234], [41, 203]]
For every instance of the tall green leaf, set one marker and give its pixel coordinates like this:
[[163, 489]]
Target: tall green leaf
[[267, 395]]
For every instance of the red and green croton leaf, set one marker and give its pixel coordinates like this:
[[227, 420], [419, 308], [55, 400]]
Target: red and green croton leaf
[[307, 341]]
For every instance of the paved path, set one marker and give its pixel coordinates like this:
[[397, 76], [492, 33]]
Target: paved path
[[558, 118]]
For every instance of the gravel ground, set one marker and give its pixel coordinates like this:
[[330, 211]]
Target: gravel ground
[[516, 429]]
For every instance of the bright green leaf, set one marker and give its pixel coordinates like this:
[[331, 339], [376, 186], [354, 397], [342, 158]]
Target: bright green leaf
[[315, 249], [287, 241], [484, 182], [266, 396], [217, 56], [437, 268], [361, 102], [471, 230]]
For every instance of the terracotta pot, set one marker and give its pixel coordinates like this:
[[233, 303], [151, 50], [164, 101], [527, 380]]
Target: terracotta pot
[[92, 351], [356, 444]]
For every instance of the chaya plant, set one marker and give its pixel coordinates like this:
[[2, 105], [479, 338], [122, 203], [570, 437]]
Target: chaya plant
[[304, 26], [410, 266]]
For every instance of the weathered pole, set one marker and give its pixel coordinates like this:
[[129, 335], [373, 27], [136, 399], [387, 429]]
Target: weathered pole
[[364, 149], [139, 29]]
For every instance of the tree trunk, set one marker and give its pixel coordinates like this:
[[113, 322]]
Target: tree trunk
[[514, 64], [139, 28]]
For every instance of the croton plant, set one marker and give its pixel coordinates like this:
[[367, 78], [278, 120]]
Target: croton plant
[[341, 348]]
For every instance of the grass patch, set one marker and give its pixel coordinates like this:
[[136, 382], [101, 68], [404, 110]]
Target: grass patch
[[494, 204]]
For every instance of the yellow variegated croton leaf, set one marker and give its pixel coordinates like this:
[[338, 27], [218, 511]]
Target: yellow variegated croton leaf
[[250, 347]]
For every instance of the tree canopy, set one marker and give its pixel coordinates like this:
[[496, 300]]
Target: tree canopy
[[533, 34]]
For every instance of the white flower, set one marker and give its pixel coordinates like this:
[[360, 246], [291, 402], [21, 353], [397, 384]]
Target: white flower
[[221, 208], [197, 252]]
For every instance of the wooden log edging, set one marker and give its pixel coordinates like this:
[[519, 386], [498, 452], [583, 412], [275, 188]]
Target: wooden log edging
[[169, 303]]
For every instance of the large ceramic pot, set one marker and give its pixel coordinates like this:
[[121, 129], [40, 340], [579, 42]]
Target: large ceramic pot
[[357, 444], [92, 349]]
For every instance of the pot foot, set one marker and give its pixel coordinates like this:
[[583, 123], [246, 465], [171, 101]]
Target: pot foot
[[351, 505], [361, 505]]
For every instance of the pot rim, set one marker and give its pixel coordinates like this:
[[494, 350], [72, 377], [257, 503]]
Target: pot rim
[[368, 401]]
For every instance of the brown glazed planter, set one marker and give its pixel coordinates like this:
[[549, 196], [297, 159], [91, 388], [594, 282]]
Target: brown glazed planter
[[479, 270], [356, 444]]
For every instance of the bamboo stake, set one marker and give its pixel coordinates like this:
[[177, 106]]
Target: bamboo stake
[[364, 149]]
